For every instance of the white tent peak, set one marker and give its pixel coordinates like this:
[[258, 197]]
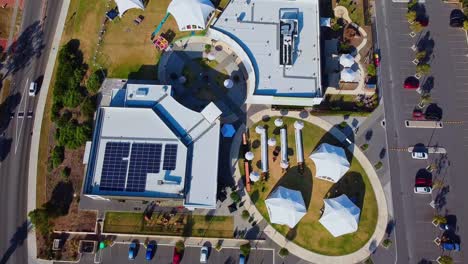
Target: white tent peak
[[191, 14], [347, 60], [330, 162], [285, 206], [341, 216], [124, 5]]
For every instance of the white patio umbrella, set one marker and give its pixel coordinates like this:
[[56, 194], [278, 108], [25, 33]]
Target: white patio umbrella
[[349, 75], [259, 129], [228, 83], [271, 142], [347, 60], [254, 176], [182, 79], [211, 56], [299, 125], [249, 156], [279, 122], [284, 164]]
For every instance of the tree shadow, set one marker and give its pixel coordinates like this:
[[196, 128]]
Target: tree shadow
[[62, 197], [426, 43], [433, 112], [441, 197], [390, 227], [291, 235], [255, 196], [5, 147], [17, 240], [28, 46], [7, 108], [369, 134], [428, 84], [145, 72], [252, 233], [293, 180], [350, 184]]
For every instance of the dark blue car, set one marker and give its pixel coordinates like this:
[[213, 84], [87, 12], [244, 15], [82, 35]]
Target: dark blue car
[[150, 251], [450, 246]]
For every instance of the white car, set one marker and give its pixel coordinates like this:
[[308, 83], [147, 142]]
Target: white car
[[204, 254], [423, 189], [32, 89], [419, 155]]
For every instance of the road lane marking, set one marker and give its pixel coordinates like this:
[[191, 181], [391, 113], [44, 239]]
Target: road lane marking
[[18, 136]]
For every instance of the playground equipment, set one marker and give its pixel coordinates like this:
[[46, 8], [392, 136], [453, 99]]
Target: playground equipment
[[158, 28], [161, 43]]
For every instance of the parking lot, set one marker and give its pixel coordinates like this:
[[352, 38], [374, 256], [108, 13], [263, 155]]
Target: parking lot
[[118, 253]]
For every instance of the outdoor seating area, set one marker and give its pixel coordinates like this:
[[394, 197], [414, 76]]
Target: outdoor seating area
[[309, 197]]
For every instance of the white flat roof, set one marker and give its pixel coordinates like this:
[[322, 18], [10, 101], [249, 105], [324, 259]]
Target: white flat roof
[[158, 124], [256, 24]]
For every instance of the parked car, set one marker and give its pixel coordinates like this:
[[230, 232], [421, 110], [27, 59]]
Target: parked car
[[411, 83], [176, 257], [423, 189], [423, 182], [419, 155], [32, 88], [204, 254], [433, 116], [424, 22], [150, 251], [376, 59], [446, 227], [457, 18], [450, 246], [132, 251], [241, 259], [418, 114]]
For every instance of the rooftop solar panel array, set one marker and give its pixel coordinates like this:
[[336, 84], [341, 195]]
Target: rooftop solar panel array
[[170, 157], [114, 168], [145, 158]]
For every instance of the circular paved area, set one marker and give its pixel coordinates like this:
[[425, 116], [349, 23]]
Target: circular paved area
[[197, 68], [382, 220]]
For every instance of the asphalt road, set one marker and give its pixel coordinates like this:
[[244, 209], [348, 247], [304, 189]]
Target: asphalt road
[[119, 254], [28, 64], [448, 82]]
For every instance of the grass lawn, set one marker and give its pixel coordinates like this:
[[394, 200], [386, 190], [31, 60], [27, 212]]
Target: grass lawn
[[178, 225], [5, 18], [309, 233]]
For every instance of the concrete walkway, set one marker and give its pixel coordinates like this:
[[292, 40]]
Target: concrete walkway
[[278, 238], [33, 155]]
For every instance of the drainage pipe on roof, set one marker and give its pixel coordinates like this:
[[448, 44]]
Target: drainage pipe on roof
[[284, 145], [298, 126], [264, 147]]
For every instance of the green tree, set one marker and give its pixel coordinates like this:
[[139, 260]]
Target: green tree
[[439, 219], [421, 55], [94, 83], [283, 252], [371, 70], [40, 219], [465, 25], [423, 69], [72, 98], [425, 100], [180, 246], [412, 4], [235, 197], [411, 16], [57, 156], [73, 136], [445, 260], [416, 27], [245, 214], [88, 108], [245, 249]]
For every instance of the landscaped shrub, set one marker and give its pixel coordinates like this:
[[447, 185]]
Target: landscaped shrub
[[245, 214], [94, 82], [73, 135], [387, 243], [378, 165], [445, 260], [207, 48], [180, 246], [235, 197], [283, 252], [40, 219], [245, 249], [88, 108], [364, 147], [57, 156], [72, 98], [371, 70]]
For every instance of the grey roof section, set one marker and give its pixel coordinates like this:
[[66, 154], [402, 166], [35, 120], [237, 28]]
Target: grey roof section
[[150, 115], [256, 25]]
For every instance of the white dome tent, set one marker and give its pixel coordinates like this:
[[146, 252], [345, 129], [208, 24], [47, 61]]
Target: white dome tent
[[330, 162], [124, 5], [347, 60], [191, 15], [349, 75], [341, 216], [285, 206]]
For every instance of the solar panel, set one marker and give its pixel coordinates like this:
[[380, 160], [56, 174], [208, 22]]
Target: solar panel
[[170, 157], [145, 158], [114, 168]]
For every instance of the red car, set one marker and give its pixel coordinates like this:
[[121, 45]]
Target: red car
[[411, 83], [423, 182], [418, 114], [424, 22], [376, 59], [176, 257]]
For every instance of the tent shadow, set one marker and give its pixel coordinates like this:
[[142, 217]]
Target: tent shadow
[[350, 184], [293, 180]]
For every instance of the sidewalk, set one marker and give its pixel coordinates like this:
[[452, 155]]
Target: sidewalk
[[278, 238], [33, 155]]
